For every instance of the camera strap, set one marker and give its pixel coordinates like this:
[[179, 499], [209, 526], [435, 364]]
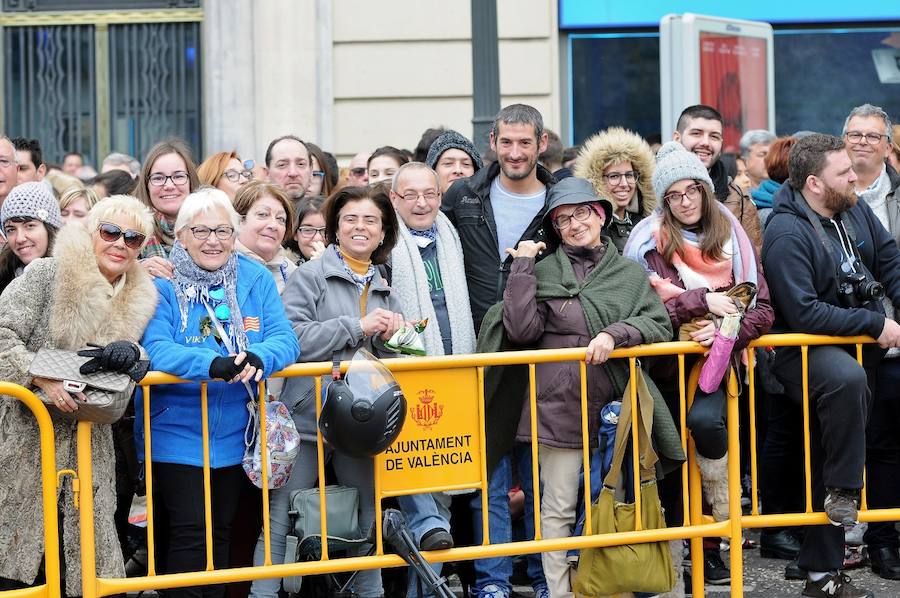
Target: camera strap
[[814, 220]]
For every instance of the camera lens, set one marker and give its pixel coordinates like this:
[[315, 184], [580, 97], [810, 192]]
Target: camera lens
[[871, 290]]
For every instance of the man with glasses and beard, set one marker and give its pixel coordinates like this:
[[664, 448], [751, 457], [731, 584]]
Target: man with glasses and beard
[[831, 261]]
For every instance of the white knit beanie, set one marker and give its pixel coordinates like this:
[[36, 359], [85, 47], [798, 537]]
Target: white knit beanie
[[34, 201], [673, 164]]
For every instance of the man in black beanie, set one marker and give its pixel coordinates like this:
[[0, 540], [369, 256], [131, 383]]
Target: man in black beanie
[[453, 157]]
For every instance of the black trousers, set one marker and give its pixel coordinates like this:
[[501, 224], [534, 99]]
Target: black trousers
[[883, 452], [838, 406], [180, 528], [781, 481]]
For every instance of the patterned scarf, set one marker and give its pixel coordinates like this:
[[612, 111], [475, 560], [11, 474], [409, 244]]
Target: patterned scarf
[[160, 244], [192, 285], [424, 238], [361, 280]]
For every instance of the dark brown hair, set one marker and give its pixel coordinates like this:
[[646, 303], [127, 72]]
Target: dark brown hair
[[777, 159], [715, 229], [809, 155], [325, 165], [250, 193], [379, 195], [9, 261], [392, 152]]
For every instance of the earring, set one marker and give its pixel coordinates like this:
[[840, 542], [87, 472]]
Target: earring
[[381, 242]]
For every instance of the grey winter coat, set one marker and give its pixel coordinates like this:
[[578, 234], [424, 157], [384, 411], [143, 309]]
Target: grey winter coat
[[62, 302], [322, 303]]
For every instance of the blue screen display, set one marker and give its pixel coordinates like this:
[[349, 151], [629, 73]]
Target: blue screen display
[[594, 14]]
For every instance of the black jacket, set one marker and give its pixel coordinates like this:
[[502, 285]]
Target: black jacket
[[803, 276], [467, 204]]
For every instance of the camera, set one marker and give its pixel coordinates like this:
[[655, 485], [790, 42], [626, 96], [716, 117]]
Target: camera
[[856, 290]]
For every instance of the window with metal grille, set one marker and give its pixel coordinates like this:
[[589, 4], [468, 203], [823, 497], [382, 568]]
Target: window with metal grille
[[100, 88]]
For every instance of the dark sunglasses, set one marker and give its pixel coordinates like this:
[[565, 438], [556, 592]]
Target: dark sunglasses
[[111, 233]]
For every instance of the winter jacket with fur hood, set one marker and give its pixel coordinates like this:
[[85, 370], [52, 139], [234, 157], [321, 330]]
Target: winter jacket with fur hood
[[614, 146], [62, 302]]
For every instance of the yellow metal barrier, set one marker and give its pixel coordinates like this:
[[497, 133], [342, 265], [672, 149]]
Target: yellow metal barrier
[[457, 368], [49, 487]]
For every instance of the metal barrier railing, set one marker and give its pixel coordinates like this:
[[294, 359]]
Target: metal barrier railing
[[49, 487], [467, 374]]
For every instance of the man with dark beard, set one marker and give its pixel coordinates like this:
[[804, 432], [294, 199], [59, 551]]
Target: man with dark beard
[[831, 261]]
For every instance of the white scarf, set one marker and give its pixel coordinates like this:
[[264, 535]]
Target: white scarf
[[409, 284]]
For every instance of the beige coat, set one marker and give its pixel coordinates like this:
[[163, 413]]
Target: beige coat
[[62, 302]]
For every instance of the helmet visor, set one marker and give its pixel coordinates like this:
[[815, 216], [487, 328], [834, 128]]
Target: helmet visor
[[367, 377]]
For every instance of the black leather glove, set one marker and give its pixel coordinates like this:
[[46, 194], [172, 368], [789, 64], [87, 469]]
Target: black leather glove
[[224, 368], [117, 356]]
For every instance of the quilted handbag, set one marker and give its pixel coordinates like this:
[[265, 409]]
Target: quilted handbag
[[108, 393]]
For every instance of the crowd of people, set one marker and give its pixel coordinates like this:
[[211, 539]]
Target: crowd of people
[[232, 270]]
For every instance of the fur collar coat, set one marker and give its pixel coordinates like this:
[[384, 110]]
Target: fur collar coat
[[62, 302]]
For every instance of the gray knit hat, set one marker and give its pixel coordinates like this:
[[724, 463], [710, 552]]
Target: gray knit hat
[[673, 164], [453, 140], [34, 201]]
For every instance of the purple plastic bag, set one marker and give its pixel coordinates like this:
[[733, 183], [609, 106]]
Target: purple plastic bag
[[717, 362]]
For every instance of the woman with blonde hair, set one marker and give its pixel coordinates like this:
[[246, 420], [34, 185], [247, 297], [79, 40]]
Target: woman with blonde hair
[[75, 204], [93, 290]]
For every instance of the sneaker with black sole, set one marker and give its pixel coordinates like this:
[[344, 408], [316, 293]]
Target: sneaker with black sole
[[436, 539], [841, 505], [834, 585], [715, 572]]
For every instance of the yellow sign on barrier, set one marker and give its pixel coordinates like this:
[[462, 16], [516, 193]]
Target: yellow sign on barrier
[[439, 445]]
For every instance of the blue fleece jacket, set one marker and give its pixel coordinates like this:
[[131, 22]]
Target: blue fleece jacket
[[175, 422]]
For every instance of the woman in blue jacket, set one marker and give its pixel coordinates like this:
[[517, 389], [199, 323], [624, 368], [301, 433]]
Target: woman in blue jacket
[[219, 317]]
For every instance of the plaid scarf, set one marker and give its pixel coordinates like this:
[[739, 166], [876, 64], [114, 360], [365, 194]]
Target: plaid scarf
[[361, 280]]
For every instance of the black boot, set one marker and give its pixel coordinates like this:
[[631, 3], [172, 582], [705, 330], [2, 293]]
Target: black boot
[[885, 561], [778, 545]]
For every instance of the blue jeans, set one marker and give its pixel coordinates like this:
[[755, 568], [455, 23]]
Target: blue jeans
[[423, 513], [498, 570]]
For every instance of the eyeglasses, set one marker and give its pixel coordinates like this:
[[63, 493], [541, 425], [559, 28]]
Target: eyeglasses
[[581, 214], [234, 175], [309, 232], [111, 232], [871, 138], [614, 178], [318, 174], [693, 193], [223, 233], [429, 195], [358, 172], [178, 178]]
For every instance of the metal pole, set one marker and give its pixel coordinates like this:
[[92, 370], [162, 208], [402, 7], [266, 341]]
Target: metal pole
[[485, 70]]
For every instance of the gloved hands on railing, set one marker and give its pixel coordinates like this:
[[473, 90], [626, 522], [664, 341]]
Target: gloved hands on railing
[[244, 367], [117, 356]]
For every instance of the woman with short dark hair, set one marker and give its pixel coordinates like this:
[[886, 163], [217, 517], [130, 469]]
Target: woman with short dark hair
[[337, 305]]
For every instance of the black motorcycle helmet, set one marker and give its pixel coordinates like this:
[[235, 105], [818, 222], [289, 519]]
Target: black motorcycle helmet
[[364, 411]]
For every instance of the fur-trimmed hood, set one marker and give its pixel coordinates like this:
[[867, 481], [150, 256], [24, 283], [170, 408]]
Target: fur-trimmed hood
[[82, 311], [612, 146]]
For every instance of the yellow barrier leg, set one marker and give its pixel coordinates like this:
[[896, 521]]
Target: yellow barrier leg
[[695, 493], [86, 512], [734, 488]]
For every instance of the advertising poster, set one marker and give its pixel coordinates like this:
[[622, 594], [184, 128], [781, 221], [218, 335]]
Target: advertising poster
[[733, 80]]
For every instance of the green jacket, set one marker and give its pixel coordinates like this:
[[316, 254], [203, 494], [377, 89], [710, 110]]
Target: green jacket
[[616, 287]]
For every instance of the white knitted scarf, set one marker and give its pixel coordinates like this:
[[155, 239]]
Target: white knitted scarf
[[409, 284]]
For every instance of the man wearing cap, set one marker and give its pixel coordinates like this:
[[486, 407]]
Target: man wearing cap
[[453, 157], [583, 294], [493, 211]]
